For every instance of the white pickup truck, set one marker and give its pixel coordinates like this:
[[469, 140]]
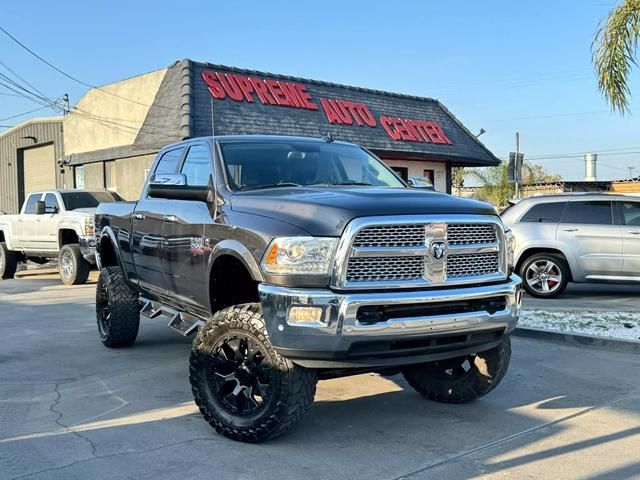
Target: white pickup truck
[[53, 224]]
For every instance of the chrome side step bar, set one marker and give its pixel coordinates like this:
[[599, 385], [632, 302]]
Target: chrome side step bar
[[181, 322]]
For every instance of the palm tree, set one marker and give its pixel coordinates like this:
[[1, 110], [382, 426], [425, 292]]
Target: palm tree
[[614, 53], [495, 186]]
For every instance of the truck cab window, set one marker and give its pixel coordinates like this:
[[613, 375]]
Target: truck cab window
[[197, 166], [51, 203], [31, 203]]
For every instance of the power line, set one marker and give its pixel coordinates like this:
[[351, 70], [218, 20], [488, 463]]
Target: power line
[[22, 94], [30, 94], [10, 94], [15, 74], [23, 113], [75, 79], [573, 114]]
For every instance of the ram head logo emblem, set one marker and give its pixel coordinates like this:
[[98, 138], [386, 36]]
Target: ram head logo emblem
[[438, 250]]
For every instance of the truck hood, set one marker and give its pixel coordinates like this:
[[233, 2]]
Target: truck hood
[[324, 212], [80, 213]]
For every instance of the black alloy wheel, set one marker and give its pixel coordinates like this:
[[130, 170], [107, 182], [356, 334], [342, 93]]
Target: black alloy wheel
[[241, 375], [244, 388]]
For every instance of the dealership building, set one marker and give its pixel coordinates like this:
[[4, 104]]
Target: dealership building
[[113, 133]]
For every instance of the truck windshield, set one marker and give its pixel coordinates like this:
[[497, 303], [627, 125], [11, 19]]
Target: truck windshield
[[81, 199], [256, 165]]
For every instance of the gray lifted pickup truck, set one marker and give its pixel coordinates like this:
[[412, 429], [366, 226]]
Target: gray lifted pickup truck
[[299, 259]]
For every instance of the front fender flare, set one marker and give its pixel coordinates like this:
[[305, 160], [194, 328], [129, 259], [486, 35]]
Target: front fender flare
[[239, 251]]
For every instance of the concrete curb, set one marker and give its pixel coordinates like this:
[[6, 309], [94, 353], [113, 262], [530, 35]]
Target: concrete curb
[[32, 272], [575, 339]]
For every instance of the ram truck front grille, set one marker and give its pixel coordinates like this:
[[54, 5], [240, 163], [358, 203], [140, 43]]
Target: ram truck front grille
[[423, 253]]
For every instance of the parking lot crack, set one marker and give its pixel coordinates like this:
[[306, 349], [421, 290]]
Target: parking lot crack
[[58, 420], [111, 455]]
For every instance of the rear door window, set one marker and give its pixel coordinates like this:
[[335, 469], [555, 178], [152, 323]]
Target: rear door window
[[31, 203], [592, 212], [544, 213], [169, 161]]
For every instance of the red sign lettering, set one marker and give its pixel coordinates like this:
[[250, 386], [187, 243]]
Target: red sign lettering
[[341, 112]]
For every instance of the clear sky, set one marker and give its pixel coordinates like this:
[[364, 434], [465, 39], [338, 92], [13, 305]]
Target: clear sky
[[504, 66]]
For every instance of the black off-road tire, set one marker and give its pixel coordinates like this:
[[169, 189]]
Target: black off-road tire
[[8, 262], [484, 371], [289, 392], [563, 267], [117, 309], [74, 269]]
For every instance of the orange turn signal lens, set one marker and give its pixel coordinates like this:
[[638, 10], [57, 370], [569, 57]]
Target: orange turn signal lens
[[273, 253]]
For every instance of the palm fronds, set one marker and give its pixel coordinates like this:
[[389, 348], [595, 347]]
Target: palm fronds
[[614, 53]]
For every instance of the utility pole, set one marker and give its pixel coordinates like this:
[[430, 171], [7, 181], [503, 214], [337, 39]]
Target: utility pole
[[518, 172], [65, 106], [631, 169]]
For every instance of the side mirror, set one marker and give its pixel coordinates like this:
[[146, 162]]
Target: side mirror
[[174, 186], [40, 208]]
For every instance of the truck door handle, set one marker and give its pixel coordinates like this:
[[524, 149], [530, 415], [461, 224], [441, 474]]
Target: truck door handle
[[569, 229], [634, 232], [170, 218], [138, 216]]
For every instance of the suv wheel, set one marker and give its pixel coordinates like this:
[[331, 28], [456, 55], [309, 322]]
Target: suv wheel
[[74, 269], [462, 379], [243, 387], [545, 275], [8, 262], [117, 309]]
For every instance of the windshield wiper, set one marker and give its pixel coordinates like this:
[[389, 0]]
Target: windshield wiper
[[354, 183], [273, 185]]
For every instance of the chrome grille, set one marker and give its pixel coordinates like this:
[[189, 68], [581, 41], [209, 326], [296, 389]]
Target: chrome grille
[[403, 252], [391, 236], [471, 233], [380, 269], [472, 265]]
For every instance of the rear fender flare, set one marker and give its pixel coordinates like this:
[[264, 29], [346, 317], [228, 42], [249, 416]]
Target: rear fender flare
[[107, 233]]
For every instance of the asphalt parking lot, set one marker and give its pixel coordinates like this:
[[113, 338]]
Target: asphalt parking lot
[[71, 409], [591, 297]]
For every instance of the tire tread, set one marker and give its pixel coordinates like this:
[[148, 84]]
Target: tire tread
[[125, 309], [300, 383]]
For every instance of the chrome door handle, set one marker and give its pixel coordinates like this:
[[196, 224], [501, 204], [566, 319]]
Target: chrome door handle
[[138, 216], [569, 229], [170, 218]]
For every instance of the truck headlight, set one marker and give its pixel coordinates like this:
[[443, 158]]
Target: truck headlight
[[89, 227], [299, 255], [510, 241]]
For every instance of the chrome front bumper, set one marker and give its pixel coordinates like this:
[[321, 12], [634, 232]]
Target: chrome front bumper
[[88, 248], [341, 340]]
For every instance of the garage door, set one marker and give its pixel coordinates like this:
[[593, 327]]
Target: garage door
[[39, 169]]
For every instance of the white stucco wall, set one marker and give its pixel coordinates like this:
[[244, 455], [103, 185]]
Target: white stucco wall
[[102, 120], [416, 169]]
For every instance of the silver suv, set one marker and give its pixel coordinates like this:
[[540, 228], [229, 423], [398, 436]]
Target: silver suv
[[586, 237]]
